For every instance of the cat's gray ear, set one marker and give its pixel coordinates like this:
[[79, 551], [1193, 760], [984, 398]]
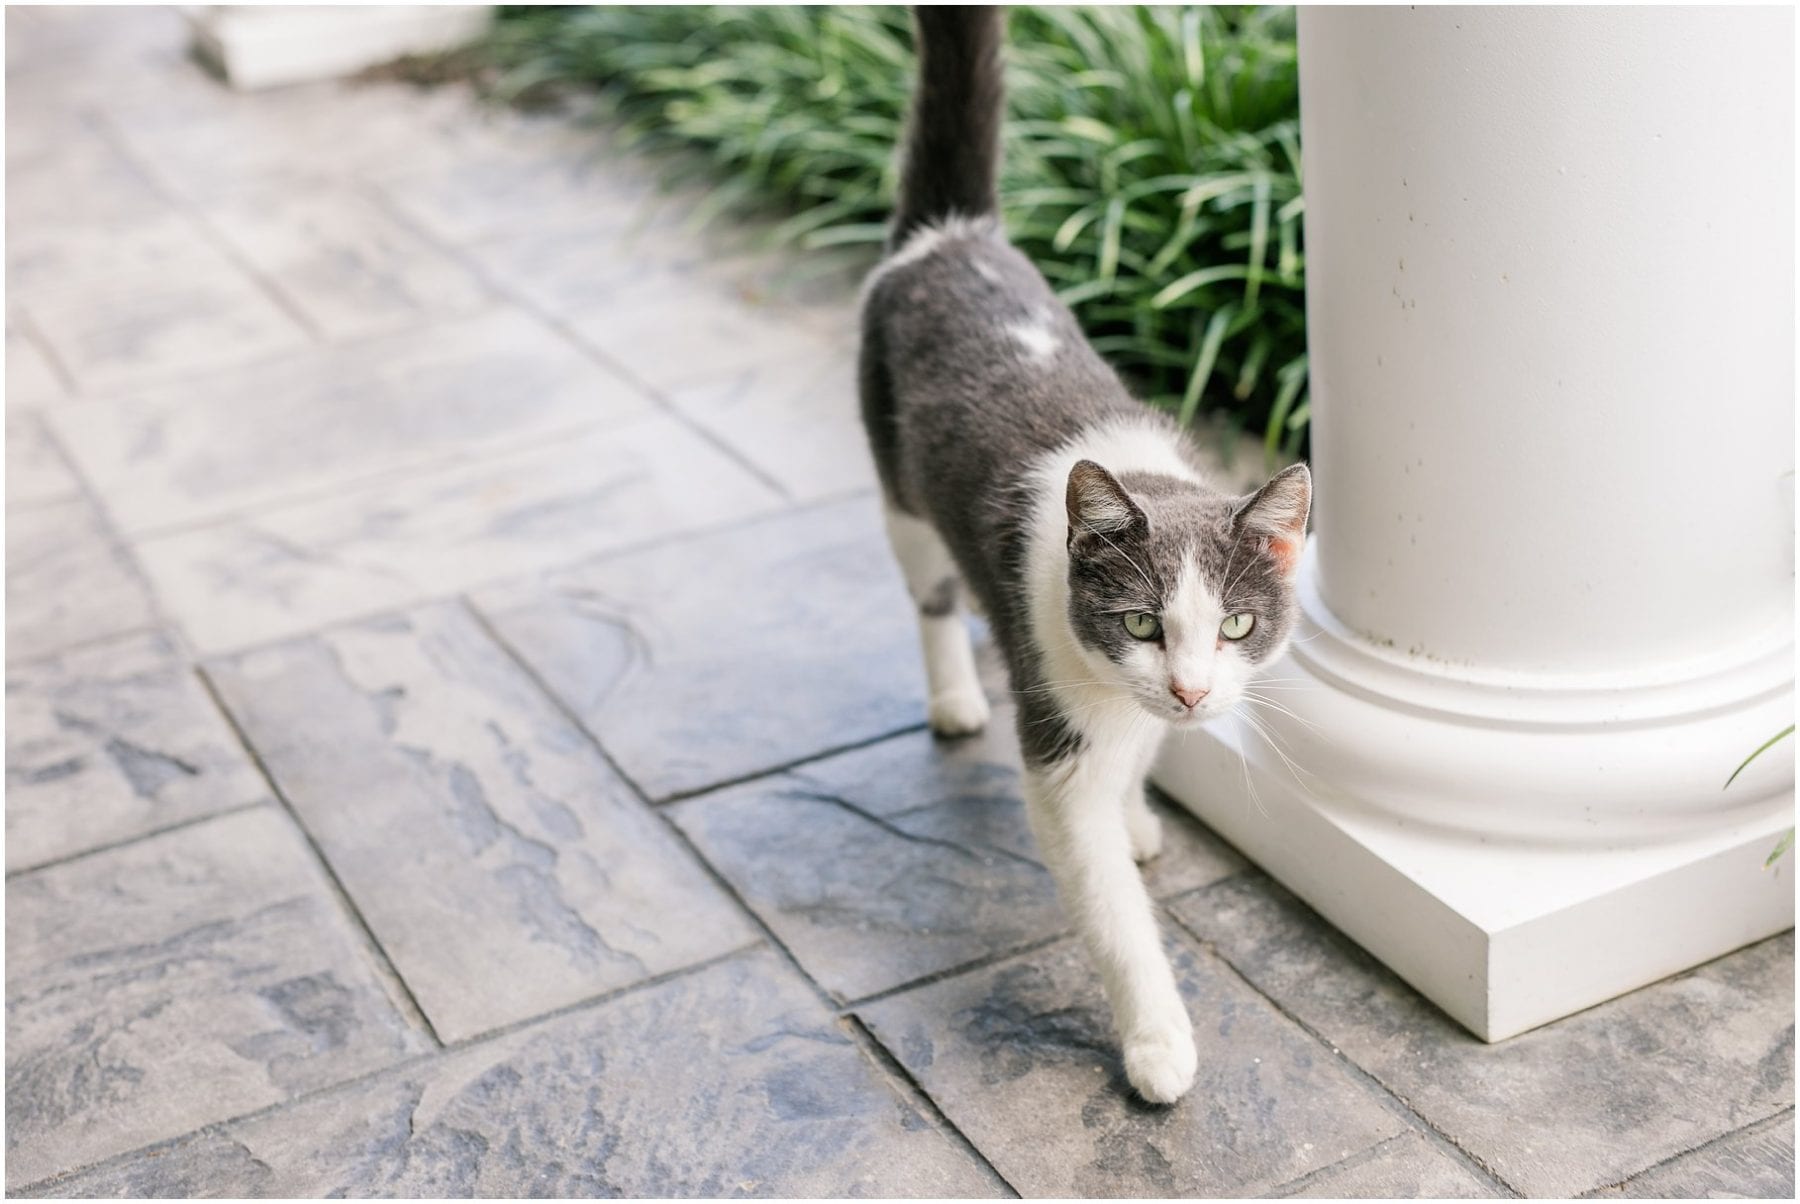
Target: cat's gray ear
[[1099, 507], [1276, 515]]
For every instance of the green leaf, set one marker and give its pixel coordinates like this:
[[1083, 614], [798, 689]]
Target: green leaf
[[1777, 738]]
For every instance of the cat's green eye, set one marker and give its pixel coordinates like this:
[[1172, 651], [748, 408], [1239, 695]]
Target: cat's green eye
[[1142, 625], [1236, 627]]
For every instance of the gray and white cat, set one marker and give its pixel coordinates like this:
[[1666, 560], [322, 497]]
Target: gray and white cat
[[1126, 594]]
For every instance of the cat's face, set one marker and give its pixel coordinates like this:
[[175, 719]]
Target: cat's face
[[1178, 595]]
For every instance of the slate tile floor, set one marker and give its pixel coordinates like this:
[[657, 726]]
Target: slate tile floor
[[464, 735]]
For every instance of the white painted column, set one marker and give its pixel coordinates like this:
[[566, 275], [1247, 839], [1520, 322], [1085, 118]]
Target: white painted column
[[1549, 594]]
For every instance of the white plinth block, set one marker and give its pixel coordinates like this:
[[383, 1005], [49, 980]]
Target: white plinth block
[[267, 45], [1548, 601]]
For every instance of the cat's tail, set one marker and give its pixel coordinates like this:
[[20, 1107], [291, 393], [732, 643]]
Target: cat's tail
[[953, 149]]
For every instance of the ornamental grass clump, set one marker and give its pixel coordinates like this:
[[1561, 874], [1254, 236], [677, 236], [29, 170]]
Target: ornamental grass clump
[[1152, 161]]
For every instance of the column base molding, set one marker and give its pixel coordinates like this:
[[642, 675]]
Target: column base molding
[[1503, 935]]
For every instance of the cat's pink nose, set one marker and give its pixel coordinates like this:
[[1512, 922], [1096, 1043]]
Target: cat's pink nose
[[1189, 698]]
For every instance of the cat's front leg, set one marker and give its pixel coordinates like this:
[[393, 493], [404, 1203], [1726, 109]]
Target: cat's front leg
[[1142, 825], [1075, 814]]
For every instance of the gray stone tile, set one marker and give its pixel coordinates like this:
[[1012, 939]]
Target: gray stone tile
[[529, 175], [1755, 1163], [109, 743], [67, 581], [176, 982], [136, 299], [30, 381], [507, 871], [671, 337], [732, 1081], [797, 420], [65, 174], [629, 247], [35, 470], [716, 657], [917, 770], [156, 331], [74, 259], [1406, 1168], [386, 545], [907, 857], [202, 142], [867, 904], [315, 423], [1021, 1058], [344, 261], [1565, 1108]]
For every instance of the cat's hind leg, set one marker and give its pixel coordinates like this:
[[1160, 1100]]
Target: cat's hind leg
[[957, 706]]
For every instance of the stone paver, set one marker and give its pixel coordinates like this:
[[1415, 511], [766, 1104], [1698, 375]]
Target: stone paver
[[309, 424], [112, 742], [391, 544], [538, 176], [800, 425], [176, 304], [35, 471], [68, 581], [344, 261], [904, 859], [866, 904], [1756, 1162], [672, 337], [728, 654], [30, 381], [500, 862], [183, 980], [1409, 1167], [1575, 1105], [618, 251], [1021, 1057], [730, 1082]]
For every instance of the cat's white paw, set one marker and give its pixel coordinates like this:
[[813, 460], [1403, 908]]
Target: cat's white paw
[[958, 712], [1161, 1063], [1145, 829]]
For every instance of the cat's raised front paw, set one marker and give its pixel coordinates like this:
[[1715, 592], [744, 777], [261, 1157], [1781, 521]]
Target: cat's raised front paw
[[1161, 1064], [960, 712]]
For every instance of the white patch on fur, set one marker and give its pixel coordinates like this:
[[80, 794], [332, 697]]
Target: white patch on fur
[[928, 240], [986, 273], [1035, 338]]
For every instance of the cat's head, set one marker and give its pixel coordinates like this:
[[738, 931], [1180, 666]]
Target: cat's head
[[1178, 594]]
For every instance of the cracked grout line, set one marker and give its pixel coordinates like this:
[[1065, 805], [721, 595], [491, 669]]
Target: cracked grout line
[[886, 824], [725, 886], [1297, 1186], [423, 1059], [102, 125], [127, 842], [1390, 1098], [911, 1089], [385, 966], [561, 328], [682, 796], [985, 962], [1785, 1112]]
